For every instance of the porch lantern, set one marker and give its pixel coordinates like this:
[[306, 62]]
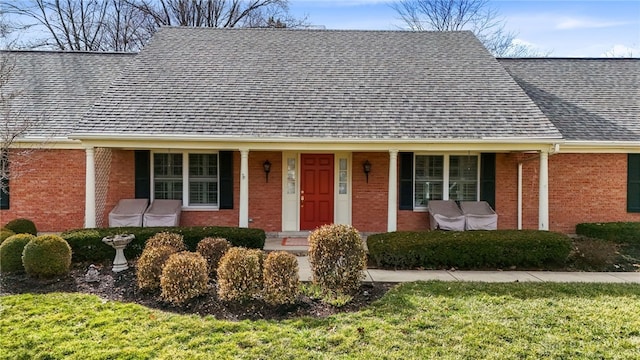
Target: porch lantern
[[366, 166], [267, 169]]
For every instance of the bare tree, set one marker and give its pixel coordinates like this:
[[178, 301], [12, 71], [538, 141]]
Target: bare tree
[[619, 51], [126, 25], [126, 28], [210, 13], [454, 15], [85, 25]]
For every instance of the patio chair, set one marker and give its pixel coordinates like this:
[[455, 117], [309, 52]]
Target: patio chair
[[479, 215], [128, 212], [445, 215], [163, 213]]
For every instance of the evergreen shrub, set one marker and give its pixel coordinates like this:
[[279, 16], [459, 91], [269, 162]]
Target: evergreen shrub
[[47, 256], [240, 274], [338, 258], [184, 276], [22, 226], [281, 279], [11, 252], [213, 249], [469, 249]]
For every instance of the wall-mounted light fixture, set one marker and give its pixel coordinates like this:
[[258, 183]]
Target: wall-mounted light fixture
[[267, 169], [366, 166]]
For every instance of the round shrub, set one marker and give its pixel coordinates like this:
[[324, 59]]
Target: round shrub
[[149, 266], [281, 279], [47, 256], [167, 239], [5, 233], [240, 274], [22, 226], [337, 258], [212, 249], [11, 252], [184, 276]]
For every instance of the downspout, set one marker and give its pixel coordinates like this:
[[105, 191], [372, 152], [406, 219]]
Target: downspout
[[520, 196], [554, 150]]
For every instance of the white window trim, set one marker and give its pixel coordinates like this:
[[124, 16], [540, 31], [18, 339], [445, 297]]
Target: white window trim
[[445, 176], [185, 178]]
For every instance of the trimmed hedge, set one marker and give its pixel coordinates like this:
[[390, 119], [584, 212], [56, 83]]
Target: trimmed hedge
[[618, 232], [22, 226], [87, 244], [469, 249]]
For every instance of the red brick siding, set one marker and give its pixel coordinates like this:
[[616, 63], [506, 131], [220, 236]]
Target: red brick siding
[[121, 182], [413, 220], [52, 194], [265, 198], [582, 188], [369, 207]]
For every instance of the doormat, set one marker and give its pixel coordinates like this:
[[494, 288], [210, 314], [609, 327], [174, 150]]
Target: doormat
[[295, 241]]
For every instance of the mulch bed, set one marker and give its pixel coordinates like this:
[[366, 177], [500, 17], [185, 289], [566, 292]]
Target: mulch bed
[[122, 287]]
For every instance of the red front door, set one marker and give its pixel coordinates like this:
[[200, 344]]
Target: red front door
[[316, 190]]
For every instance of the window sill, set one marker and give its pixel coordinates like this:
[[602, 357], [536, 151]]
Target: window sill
[[200, 208]]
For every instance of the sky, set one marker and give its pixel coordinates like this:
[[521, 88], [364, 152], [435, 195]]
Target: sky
[[560, 28]]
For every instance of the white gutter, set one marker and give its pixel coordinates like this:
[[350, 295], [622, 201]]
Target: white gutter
[[257, 139]]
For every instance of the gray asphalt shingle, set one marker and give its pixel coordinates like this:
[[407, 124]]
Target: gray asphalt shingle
[[315, 83], [53, 90], [587, 99]]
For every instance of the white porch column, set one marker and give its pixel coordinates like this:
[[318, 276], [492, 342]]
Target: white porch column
[[543, 206], [90, 189], [244, 188], [392, 211]]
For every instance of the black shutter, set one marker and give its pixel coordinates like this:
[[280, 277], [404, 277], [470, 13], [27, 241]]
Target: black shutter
[[143, 174], [633, 183], [226, 179], [4, 196], [406, 180], [488, 178]]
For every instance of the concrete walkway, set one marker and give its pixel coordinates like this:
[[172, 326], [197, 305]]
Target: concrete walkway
[[378, 275]]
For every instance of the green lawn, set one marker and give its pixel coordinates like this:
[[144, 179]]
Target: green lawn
[[417, 320]]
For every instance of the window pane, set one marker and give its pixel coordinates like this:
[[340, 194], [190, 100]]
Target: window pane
[[342, 177], [167, 171], [203, 179], [168, 189], [203, 193], [429, 179], [291, 176], [463, 178]]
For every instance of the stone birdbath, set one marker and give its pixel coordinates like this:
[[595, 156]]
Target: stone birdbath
[[119, 242]]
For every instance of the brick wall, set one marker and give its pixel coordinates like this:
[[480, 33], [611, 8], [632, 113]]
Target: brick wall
[[369, 207], [265, 198], [52, 192], [582, 188], [121, 181]]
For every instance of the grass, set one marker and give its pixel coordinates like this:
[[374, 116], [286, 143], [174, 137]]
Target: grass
[[413, 321]]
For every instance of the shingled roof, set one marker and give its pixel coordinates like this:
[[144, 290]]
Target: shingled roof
[[53, 90], [268, 83], [587, 99]]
